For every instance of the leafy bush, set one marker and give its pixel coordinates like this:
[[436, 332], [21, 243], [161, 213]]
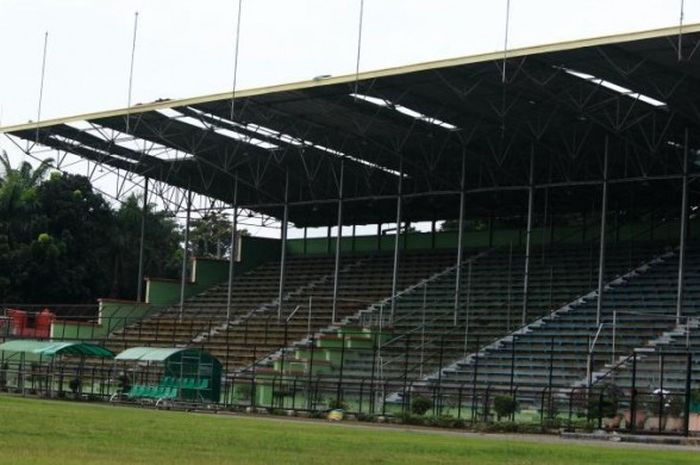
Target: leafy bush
[[444, 421], [243, 391], [604, 401], [420, 405], [412, 419], [505, 406], [695, 396], [336, 404]]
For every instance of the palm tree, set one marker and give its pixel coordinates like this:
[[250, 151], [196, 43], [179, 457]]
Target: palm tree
[[18, 190]]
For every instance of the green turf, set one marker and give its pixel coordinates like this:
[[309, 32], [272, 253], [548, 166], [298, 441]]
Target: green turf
[[53, 432]]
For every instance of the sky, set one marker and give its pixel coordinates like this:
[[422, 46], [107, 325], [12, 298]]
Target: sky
[[186, 48]]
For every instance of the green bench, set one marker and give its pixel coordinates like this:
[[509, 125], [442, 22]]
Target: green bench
[[144, 391], [185, 383]]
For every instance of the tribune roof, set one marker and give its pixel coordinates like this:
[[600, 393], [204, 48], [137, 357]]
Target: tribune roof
[[553, 105]]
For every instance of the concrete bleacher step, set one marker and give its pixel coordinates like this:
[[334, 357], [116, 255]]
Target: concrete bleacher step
[[533, 338]]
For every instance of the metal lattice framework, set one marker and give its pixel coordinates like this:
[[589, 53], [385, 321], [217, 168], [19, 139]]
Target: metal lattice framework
[[539, 117]]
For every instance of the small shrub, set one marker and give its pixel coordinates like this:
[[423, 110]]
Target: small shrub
[[420, 405], [243, 391], [443, 421], [604, 401], [695, 396], [412, 419], [336, 404], [504, 406]]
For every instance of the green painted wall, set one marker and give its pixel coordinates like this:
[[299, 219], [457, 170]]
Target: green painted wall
[[210, 272], [257, 250], [113, 314], [667, 231]]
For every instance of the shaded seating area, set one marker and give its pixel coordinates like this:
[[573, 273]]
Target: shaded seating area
[[170, 373], [46, 366]]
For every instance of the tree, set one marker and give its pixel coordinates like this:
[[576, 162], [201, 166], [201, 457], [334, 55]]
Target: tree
[[61, 242], [470, 225], [70, 243], [18, 195], [211, 235], [161, 247]]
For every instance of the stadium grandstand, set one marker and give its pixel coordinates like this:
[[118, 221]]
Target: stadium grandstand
[[562, 262]]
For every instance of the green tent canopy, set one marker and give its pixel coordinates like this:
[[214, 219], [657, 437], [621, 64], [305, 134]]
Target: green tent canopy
[[52, 348], [151, 354]]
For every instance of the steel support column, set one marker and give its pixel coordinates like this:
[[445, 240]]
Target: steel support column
[[684, 231], [283, 248], [603, 215], [139, 291], [460, 242], [395, 272], [336, 271], [234, 252], [185, 255], [528, 236]]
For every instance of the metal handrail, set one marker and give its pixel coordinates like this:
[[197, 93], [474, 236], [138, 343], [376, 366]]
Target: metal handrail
[[292, 313]]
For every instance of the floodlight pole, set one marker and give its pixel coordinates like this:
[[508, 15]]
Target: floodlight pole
[[139, 291], [336, 271], [530, 206], [183, 277], [395, 272], [684, 231], [603, 216], [283, 247], [234, 252], [460, 241]]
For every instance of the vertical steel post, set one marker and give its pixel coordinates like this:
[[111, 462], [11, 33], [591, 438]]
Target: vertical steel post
[[234, 252], [328, 240], [512, 364], [544, 223], [185, 256], [614, 336], [395, 272], [510, 287], [336, 271], [603, 215], [309, 381], [139, 291], [283, 248], [684, 232], [339, 392], [467, 309], [460, 241], [688, 393], [422, 329], [530, 205], [305, 237], [633, 399]]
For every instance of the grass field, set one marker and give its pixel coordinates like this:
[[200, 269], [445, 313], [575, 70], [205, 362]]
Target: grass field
[[51, 432]]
